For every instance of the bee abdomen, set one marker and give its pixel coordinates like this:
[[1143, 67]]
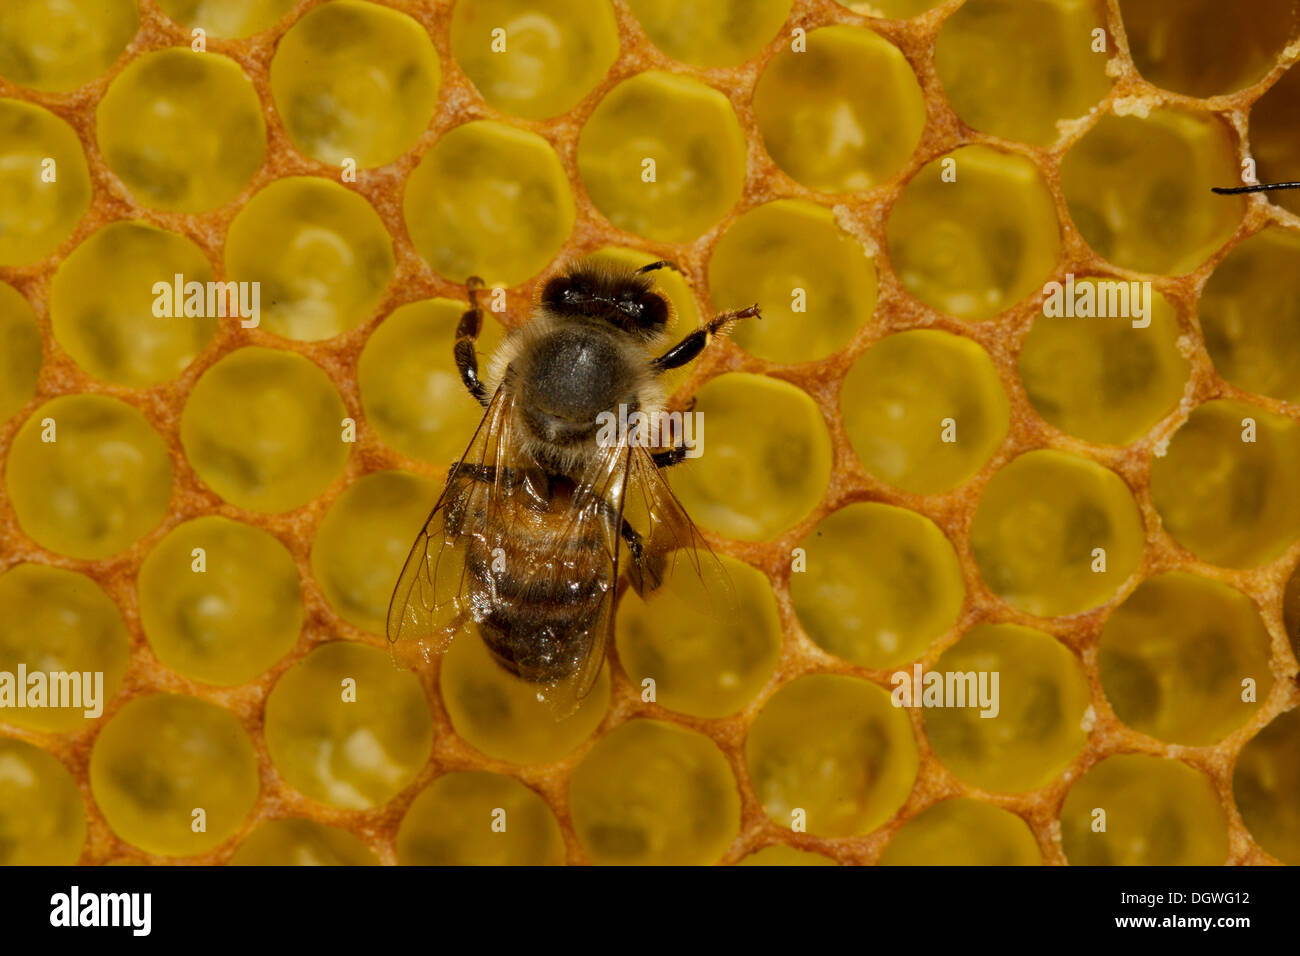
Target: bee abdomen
[[537, 612]]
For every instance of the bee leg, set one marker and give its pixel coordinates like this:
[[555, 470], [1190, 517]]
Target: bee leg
[[694, 344], [647, 571], [669, 457], [660, 264], [484, 473], [467, 332]]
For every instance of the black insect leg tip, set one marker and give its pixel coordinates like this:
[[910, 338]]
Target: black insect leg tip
[[659, 264], [473, 285], [1258, 188]]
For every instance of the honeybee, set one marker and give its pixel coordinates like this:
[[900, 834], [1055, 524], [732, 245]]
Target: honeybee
[[528, 537]]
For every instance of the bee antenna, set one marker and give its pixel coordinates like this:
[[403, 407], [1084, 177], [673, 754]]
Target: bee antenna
[[660, 264], [1257, 188]]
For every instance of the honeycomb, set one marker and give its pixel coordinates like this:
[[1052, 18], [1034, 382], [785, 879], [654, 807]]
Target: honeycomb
[[911, 461]]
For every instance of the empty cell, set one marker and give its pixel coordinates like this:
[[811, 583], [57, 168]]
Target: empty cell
[[974, 232], [182, 130], [477, 818], [663, 156], [1138, 189], [264, 429], [346, 728], [534, 58], [355, 81], [1225, 489], [699, 662], [1185, 659], [925, 410], [841, 112], [832, 754], [489, 200], [1012, 712], [1056, 534], [219, 600], [765, 457], [88, 476], [652, 793]]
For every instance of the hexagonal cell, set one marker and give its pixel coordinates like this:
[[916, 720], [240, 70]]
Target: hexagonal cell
[[1250, 314], [37, 216], [42, 817], [104, 304], [61, 45], [1056, 534], [302, 843], [1105, 379], [162, 756], [264, 429], [832, 753], [477, 818], [815, 282], [1157, 813], [1266, 785], [653, 793], [362, 543], [60, 622], [411, 392], [924, 409], [355, 81], [765, 462], [182, 130], [1054, 75], [1206, 47], [701, 664], [500, 715], [227, 18], [721, 33], [88, 476], [663, 156], [347, 728], [220, 601], [1275, 138], [877, 584], [1025, 700], [319, 252], [785, 856], [1138, 189], [843, 114], [974, 232], [1226, 489], [20, 351], [963, 832], [1176, 655], [489, 200], [534, 58]]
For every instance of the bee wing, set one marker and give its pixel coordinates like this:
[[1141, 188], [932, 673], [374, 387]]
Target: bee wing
[[434, 594], [596, 516], [670, 541]]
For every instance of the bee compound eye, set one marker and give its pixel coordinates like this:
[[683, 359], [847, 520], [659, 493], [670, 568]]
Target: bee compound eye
[[557, 290], [652, 310]]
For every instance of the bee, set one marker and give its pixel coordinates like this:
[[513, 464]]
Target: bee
[[543, 511]]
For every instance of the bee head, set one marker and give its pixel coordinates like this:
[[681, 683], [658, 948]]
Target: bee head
[[621, 297]]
